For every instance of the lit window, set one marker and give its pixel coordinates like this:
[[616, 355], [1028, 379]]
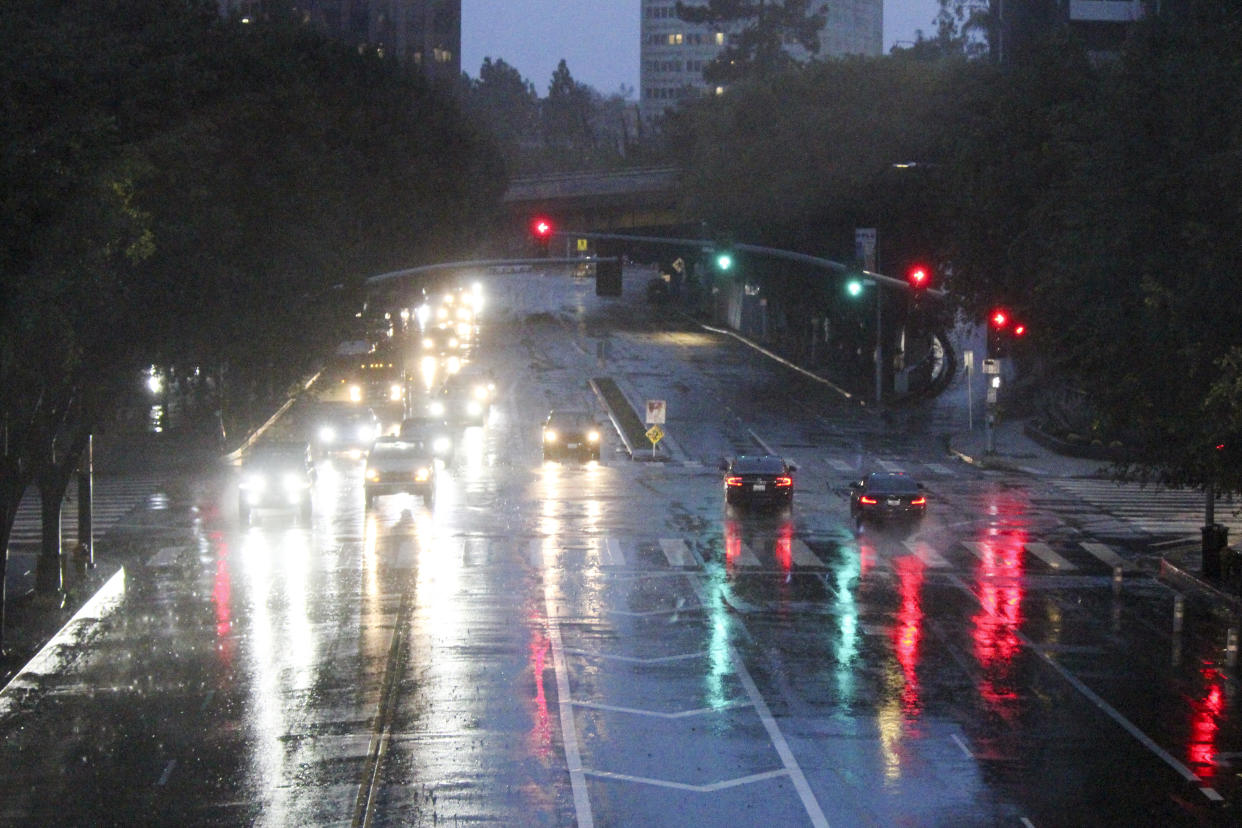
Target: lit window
[[676, 39], [719, 38], [719, 90]]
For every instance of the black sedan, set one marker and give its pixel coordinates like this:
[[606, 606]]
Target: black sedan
[[758, 480], [568, 433], [887, 496]]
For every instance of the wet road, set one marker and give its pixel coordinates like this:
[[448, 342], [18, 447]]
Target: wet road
[[604, 644]]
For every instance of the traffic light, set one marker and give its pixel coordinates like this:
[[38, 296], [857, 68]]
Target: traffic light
[[723, 260], [998, 333], [541, 229], [919, 278], [854, 287]]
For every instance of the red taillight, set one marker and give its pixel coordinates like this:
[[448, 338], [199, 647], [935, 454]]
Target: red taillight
[[867, 500], [733, 481], [919, 501], [784, 481]]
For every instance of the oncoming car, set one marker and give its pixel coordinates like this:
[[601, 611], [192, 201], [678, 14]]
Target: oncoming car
[[758, 480], [277, 475], [886, 496], [570, 433], [344, 429], [395, 466]]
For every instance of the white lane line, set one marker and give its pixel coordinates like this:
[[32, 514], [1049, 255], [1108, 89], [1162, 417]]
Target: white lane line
[[766, 448], [676, 552], [569, 729], [889, 466], [611, 554], [745, 557], [803, 556], [168, 769], [926, 554], [1026, 822], [682, 786], [778, 741], [841, 465], [939, 468], [1106, 554], [683, 714], [966, 750], [1044, 552], [636, 659]]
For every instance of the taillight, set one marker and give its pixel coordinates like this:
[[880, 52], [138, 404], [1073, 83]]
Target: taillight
[[733, 481], [867, 500], [784, 481], [919, 501]]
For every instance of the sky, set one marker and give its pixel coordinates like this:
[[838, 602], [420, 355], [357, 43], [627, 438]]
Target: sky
[[599, 38]]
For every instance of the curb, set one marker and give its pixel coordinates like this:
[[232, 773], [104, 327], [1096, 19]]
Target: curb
[[988, 463], [1174, 574], [618, 416]]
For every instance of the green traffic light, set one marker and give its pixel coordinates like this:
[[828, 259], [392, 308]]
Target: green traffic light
[[724, 261], [854, 287]]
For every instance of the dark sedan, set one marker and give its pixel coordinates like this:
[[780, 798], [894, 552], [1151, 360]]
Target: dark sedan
[[758, 480], [568, 433], [887, 496]]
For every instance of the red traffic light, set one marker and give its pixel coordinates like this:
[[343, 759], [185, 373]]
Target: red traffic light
[[918, 277], [999, 318], [541, 227], [1019, 330]]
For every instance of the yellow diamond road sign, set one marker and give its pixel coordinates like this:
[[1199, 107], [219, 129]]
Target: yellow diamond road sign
[[655, 434]]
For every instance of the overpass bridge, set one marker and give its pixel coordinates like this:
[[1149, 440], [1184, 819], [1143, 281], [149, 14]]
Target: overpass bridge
[[643, 198]]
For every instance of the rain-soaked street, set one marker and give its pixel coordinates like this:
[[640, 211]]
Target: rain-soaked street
[[556, 643]]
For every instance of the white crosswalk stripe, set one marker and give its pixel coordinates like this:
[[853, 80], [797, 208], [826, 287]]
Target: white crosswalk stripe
[[111, 500], [938, 468], [889, 466], [1149, 510], [1044, 552], [841, 465], [740, 555], [926, 554], [676, 552], [1107, 555], [802, 554]]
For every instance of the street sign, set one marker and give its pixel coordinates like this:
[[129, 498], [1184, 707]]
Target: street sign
[[991, 366], [583, 245], [864, 247], [655, 434], [655, 411]]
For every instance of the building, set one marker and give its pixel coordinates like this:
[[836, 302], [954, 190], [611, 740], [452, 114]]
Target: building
[[1102, 24], [673, 52], [426, 33]]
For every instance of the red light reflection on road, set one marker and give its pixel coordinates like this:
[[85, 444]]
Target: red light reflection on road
[[909, 630], [221, 596], [1205, 716], [541, 732], [783, 548], [733, 545], [996, 626]]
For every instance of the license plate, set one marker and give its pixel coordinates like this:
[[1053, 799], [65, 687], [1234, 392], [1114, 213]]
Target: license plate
[[894, 501], [574, 445], [759, 487]]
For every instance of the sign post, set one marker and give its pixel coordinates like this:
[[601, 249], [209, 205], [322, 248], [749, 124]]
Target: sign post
[[657, 410]]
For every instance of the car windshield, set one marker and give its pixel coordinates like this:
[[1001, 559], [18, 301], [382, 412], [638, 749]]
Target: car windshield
[[759, 465], [563, 420], [277, 453], [892, 484]]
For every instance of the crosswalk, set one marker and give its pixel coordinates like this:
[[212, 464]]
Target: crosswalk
[[111, 500], [1130, 509], [784, 553]]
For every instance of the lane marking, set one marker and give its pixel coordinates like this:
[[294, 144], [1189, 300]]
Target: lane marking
[[1044, 552], [841, 465], [684, 714], [930, 557], [939, 468], [166, 556], [636, 659], [745, 557], [889, 466], [803, 556], [1106, 554], [168, 769], [569, 729], [966, 750], [534, 553], [682, 786], [676, 552], [612, 554]]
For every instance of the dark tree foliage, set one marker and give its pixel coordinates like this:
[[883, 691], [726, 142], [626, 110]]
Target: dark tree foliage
[[184, 189], [758, 35]]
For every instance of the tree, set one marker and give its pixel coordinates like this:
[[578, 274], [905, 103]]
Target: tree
[[507, 104], [758, 33], [567, 113]]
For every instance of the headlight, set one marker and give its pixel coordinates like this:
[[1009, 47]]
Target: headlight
[[441, 445], [473, 408], [453, 365], [549, 436], [428, 342], [436, 409], [355, 393], [366, 433], [480, 392], [372, 473], [452, 343], [463, 329], [327, 434], [593, 436], [423, 474], [254, 482]]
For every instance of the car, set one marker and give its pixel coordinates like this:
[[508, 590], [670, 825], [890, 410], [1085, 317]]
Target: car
[[277, 475], [432, 433], [887, 496], [758, 480], [461, 403], [568, 433], [344, 428], [395, 466]]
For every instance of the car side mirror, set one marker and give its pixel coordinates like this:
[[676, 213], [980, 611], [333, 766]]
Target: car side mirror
[[920, 485], [793, 467], [857, 484]]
